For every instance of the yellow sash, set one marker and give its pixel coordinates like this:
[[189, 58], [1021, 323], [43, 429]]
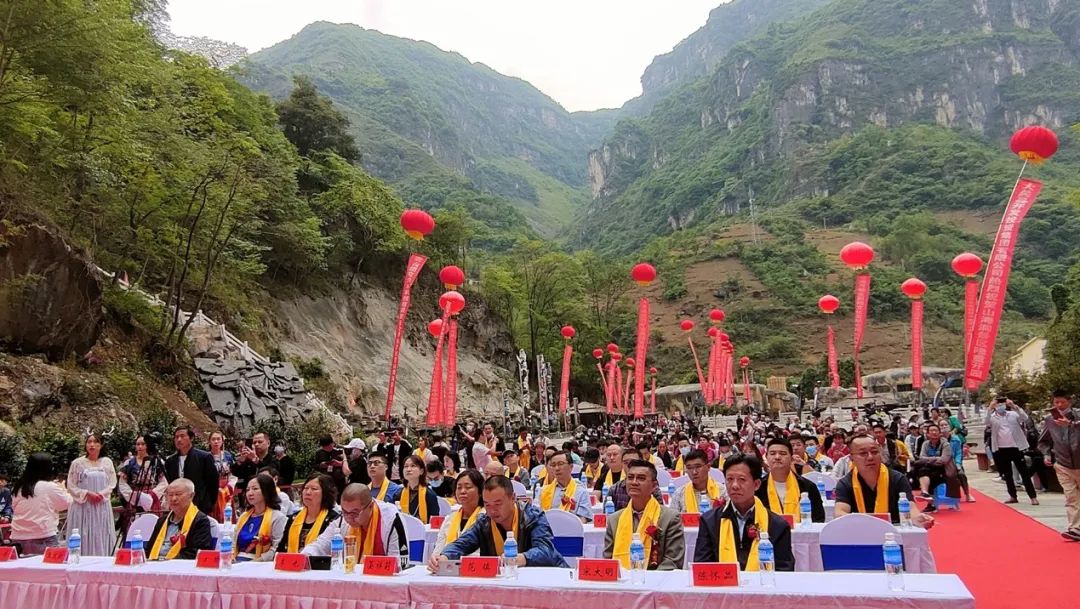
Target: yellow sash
[[547, 495], [381, 495], [609, 479], [690, 496], [524, 456], [298, 523], [624, 531], [421, 502], [791, 497], [679, 466], [185, 528], [592, 471], [727, 537], [881, 502], [420, 452], [497, 537], [264, 532], [367, 548], [455, 529]]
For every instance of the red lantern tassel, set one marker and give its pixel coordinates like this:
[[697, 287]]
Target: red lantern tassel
[[697, 364], [434, 410], [746, 386], [603, 381], [730, 367], [626, 393], [916, 344], [449, 406], [710, 384], [971, 301], [412, 271], [618, 388], [609, 390], [862, 302], [642, 351], [652, 396], [564, 387], [834, 368]]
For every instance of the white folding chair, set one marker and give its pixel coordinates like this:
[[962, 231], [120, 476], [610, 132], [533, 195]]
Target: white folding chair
[[444, 507], [663, 477], [717, 475], [680, 482], [143, 525], [575, 469], [568, 535], [414, 532], [215, 531], [535, 472], [519, 489], [853, 543]]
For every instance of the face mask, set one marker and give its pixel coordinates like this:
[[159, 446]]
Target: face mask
[[280, 450], [684, 450], [1000, 409], [811, 450], [435, 483]]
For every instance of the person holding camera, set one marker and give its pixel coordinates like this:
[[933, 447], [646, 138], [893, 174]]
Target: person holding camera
[[330, 459], [1006, 423], [1060, 445]]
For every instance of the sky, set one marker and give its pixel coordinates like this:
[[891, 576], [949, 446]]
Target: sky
[[586, 54]]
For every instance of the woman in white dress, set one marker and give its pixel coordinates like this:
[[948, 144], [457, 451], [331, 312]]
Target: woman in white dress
[[91, 480]]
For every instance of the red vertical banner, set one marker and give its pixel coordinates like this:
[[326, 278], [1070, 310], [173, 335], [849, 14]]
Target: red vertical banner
[[564, 385], [730, 368], [862, 303], [746, 386], [996, 282], [652, 395], [834, 367], [714, 371], [697, 364], [642, 350], [603, 381], [916, 344], [609, 387], [617, 386], [434, 409], [971, 302], [412, 271], [449, 405], [628, 390]]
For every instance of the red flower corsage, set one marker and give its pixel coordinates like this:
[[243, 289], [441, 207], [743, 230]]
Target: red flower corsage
[[568, 501], [264, 540], [752, 532], [718, 503], [652, 531], [178, 540]]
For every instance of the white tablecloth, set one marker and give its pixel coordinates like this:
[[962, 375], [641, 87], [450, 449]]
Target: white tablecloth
[[258, 586], [805, 544], [98, 584], [28, 584]]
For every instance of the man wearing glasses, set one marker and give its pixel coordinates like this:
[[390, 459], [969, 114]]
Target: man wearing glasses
[[687, 499], [376, 526], [565, 493], [874, 488]]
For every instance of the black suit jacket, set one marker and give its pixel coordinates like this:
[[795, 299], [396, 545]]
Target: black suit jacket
[[200, 469], [817, 508], [199, 537], [708, 540]]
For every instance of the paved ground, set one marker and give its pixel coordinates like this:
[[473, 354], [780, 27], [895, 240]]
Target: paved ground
[[1051, 508]]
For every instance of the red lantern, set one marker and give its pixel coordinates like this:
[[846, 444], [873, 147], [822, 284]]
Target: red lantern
[[716, 316], [724, 338], [1034, 144], [616, 356], [828, 304], [712, 332], [454, 300], [653, 370], [451, 276], [643, 274], [857, 255], [744, 361], [629, 362], [417, 223], [568, 332], [598, 353], [967, 265], [913, 288], [612, 348], [686, 325], [435, 327]]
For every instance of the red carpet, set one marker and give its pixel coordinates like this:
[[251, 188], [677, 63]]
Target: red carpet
[[1007, 559]]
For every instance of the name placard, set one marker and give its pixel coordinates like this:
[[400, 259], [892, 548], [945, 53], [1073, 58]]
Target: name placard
[[479, 566], [284, 561], [715, 574], [7, 553], [123, 557], [691, 520], [380, 565], [55, 556], [208, 559], [598, 570], [437, 521], [599, 521]]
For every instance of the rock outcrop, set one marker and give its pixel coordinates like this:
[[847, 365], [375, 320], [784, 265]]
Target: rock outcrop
[[50, 300]]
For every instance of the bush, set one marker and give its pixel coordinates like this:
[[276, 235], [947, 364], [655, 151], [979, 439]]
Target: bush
[[301, 439], [12, 455]]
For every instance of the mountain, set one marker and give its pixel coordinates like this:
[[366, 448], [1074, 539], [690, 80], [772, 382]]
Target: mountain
[[441, 128]]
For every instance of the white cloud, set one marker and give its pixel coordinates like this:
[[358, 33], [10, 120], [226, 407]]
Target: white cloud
[[586, 54]]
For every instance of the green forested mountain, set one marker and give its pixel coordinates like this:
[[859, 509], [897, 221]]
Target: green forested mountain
[[441, 129]]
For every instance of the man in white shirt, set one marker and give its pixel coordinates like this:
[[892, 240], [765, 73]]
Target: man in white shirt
[[1009, 441], [358, 510], [565, 493]]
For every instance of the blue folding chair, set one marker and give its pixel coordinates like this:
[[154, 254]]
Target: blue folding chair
[[853, 543]]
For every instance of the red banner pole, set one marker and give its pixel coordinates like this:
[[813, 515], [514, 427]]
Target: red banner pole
[[609, 389], [412, 271], [449, 406], [834, 367], [434, 410], [746, 386], [642, 352], [564, 386], [916, 344], [697, 364], [971, 302], [862, 302], [652, 396], [626, 392]]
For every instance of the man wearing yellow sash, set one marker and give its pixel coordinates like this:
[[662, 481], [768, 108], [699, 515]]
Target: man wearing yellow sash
[[873, 488], [503, 514], [731, 534], [184, 530], [783, 488], [687, 499], [612, 471], [565, 493], [376, 526], [512, 468], [381, 486], [684, 449], [658, 527]]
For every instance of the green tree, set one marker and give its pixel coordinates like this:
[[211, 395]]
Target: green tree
[[312, 124]]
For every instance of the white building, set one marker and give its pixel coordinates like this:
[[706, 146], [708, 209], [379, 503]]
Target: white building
[[1029, 359]]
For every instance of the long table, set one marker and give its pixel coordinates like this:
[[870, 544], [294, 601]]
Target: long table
[[97, 584]]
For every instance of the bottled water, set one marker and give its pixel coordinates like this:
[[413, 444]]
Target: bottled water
[[894, 563], [766, 560], [703, 503], [74, 547], [604, 494], [821, 489], [637, 560], [904, 507], [510, 556], [805, 510], [228, 513], [225, 545], [609, 506], [670, 490], [337, 553], [138, 556]]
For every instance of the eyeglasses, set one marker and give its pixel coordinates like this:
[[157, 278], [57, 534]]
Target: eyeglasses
[[354, 514], [866, 453]]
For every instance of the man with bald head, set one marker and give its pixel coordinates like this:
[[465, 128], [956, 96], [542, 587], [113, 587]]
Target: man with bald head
[[376, 525], [493, 468], [184, 530]]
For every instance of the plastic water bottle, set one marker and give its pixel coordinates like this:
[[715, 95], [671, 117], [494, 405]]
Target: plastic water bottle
[[510, 556], [766, 560], [821, 489], [670, 489], [894, 563], [805, 517], [609, 506], [703, 503], [74, 547], [337, 553], [904, 507], [637, 560], [604, 493], [228, 513], [138, 556], [225, 545]]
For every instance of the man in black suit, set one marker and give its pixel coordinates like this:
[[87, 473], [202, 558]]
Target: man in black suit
[[775, 492], [195, 465], [743, 476], [396, 451]]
